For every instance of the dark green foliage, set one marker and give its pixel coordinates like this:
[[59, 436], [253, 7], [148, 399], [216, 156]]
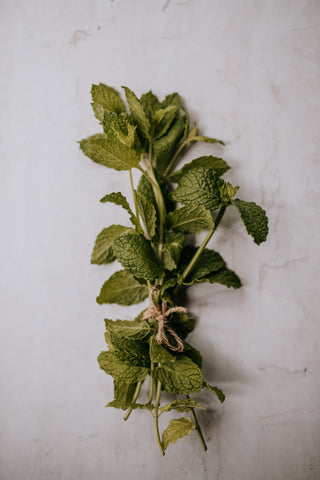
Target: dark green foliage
[[155, 252]]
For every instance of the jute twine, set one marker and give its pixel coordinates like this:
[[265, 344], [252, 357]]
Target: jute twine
[[162, 315]]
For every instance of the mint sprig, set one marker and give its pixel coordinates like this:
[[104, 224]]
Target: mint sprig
[[167, 206]]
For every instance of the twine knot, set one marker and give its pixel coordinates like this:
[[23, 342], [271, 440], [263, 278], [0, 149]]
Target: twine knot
[[162, 315]]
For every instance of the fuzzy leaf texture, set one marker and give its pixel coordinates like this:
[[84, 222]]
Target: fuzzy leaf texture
[[190, 219], [122, 288], [181, 376], [218, 165], [105, 98], [135, 254], [102, 250], [254, 218], [177, 428], [119, 370], [109, 153]]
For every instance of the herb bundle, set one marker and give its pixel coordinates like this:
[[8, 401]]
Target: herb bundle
[[157, 262]]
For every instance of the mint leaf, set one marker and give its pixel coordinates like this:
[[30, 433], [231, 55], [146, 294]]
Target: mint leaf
[[190, 219], [193, 354], [158, 353], [172, 99], [221, 396], [109, 153], [121, 371], [102, 250], [118, 128], [162, 119], [123, 392], [150, 104], [173, 245], [217, 164], [165, 146], [134, 330], [199, 186], [182, 324], [118, 199], [145, 189], [148, 214], [202, 138], [138, 113], [131, 356], [135, 254], [208, 262], [126, 405], [181, 406], [224, 277], [122, 288], [182, 376], [177, 428], [227, 191], [254, 218], [105, 98]]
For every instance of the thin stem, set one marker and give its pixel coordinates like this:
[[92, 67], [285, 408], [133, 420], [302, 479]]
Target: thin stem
[[134, 195], [134, 398], [198, 428], [151, 383], [203, 245], [171, 163], [156, 425]]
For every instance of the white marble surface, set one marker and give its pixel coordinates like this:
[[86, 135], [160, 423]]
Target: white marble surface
[[249, 73]]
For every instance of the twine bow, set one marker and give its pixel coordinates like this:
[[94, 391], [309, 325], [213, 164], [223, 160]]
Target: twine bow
[[162, 315]]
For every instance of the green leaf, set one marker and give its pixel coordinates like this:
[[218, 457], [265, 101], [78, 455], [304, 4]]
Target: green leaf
[[221, 396], [123, 392], [193, 354], [224, 277], [129, 329], [118, 199], [121, 371], [158, 353], [122, 288], [173, 245], [135, 254], [150, 104], [162, 120], [199, 186], [219, 166], [105, 98], [254, 218], [172, 99], [177, 428], [118, 128], [148, 214], [208, 262], [109, 153], [102, 250], [145, 189], [138, 114], [190, 219], [181, 406], [182, 376], [165, 146], [126, 405], [126, 353], [182, 324], [227, 191], [202, 138]]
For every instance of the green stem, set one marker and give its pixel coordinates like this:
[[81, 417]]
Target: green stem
[[156, 424], [134, 195], [203, 245], [172, 161], [198, 428], [134, 398], [151, 383]]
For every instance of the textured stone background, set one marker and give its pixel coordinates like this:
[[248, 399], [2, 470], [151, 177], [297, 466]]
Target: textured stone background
[[249, 73]]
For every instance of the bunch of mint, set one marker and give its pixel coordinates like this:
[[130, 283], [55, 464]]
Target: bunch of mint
[[154, 255]]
